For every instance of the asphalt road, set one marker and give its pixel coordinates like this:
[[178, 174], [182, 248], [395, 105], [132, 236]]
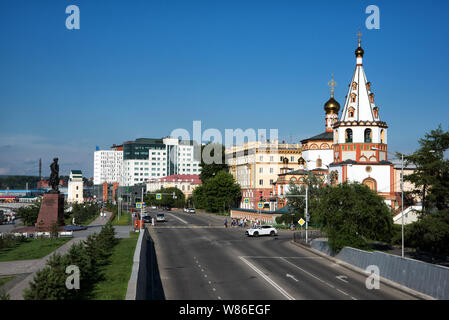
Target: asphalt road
[[199, 259]]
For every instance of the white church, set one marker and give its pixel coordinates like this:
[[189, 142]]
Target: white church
[[353, 147]]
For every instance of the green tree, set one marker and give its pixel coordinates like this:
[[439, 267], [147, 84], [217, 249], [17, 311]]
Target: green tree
[[351, 214], [29, 214], [212, 160], [430, 233], [218, 194], [431, 176], [166, 198], [296, 197]]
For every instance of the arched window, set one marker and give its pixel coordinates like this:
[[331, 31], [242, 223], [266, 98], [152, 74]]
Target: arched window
[[382, 136], [354, 85], [351, 112], [319, 163], [368, 136], [376, 112], [371, 98], [370, 183], [348, 137], [353, 97]]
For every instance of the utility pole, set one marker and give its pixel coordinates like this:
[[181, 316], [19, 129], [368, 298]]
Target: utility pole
[[141, 211], [307, 212], [402, 200]]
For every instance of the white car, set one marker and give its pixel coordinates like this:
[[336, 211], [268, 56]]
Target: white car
[[265, 230], [160, 217]]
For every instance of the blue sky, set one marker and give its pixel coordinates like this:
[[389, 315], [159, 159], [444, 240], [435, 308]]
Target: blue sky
[[144, 68]]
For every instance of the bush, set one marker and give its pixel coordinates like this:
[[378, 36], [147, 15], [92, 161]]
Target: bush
[[430, 233], [88, 256]]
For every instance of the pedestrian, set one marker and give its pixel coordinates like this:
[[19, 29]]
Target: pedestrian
[[9, 219], [13, 219], [73, 221], [226, 222]]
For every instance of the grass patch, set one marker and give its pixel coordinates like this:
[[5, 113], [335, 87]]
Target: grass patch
[[31, 249], [117, 272], [125, 219], [4, 280]]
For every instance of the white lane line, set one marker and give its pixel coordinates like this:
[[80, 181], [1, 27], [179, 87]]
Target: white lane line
[[313, 276], [182, 220], [271, 257], [266, 278], [342, 278]]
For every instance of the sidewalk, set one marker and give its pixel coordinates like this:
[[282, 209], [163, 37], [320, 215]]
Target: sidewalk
[[30, 267]]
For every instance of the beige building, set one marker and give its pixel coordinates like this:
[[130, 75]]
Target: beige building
[[256, 165], [75, 187], [185, 183]]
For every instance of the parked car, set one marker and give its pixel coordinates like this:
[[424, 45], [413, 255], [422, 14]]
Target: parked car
[[147, 219], [160, 217], [153, 207], [265, 230], [191, 210], [186, 210]]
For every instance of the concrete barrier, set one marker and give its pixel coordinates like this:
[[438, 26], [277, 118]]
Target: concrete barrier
[[427, 278], [138, 282]]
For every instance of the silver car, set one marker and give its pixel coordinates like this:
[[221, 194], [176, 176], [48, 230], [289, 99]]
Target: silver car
[[265, 230]]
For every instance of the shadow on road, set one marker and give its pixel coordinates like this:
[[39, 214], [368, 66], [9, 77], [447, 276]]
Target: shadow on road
[[155, 291]]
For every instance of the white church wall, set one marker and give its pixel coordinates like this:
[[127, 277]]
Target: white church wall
[[358, 173]]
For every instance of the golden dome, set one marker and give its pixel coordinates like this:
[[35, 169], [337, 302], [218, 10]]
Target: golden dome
[[332, 106]]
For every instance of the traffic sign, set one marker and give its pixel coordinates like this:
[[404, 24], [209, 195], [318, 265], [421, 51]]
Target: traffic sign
[[301, 221], [158, 196], [260, 205], [246, 200], [138, 205]]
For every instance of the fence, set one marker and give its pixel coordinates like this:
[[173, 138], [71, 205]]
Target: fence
[[300, 236]]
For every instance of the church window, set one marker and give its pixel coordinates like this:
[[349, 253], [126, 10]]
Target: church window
[[348, 137], [371, 97], [370, 183], [354, 85], [376, 113], [382, 136], [368, 135], [319, 163], [353, 97], [351, 112]]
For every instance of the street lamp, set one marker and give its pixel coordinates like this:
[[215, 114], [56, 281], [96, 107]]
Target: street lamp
[[402, 196]]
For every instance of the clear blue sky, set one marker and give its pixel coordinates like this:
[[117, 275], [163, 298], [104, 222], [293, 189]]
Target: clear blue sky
[[143, 68]]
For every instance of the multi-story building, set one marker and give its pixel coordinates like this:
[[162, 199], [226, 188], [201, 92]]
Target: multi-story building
[[256, 166], [146, 159], [75, 187], [108, 165], [136, 162]]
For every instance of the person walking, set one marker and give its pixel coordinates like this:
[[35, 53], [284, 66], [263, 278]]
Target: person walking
[[226, 222], [13, 219]]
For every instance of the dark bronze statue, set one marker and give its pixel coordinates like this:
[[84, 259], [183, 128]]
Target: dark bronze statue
[[54, 176]]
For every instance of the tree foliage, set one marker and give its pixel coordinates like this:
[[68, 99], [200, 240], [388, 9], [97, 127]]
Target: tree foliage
[[167, 198], [296, 198], [431, 176], [29, 214], [212, 160], [351, 214], [217, 194]]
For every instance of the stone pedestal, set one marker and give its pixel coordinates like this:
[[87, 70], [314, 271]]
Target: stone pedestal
[[51, 212]]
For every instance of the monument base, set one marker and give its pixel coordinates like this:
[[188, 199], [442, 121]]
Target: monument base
[[51, 212]]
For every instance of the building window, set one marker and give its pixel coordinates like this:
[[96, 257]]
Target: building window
[[353, 97], [292, 159], [382, 136], [348, 136], [260, 170], [271, 170], [319, 163], [351, 112], [368, 135], [261, 182]]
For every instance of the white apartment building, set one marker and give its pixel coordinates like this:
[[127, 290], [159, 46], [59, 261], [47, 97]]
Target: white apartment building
[[145, 159], [107, 166]]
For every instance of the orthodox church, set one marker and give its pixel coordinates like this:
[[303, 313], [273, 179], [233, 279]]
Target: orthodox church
[[353, 147]]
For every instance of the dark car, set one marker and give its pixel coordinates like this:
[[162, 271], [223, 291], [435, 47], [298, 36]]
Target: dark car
[[167, 208], [147, 219]]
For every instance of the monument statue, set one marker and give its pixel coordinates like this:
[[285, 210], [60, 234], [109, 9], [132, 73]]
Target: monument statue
[[54, 176]]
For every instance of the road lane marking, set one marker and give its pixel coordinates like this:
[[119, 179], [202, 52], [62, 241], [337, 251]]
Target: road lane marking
[[342, 278], [182, 220], [313, 276], [290, 276], [266, 278]]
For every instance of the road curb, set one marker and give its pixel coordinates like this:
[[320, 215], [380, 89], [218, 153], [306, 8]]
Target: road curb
[[362, 272]]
